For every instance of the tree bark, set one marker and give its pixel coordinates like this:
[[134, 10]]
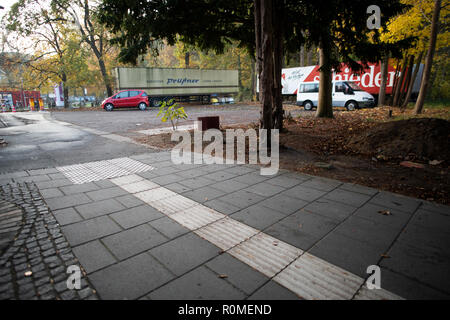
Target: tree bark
[[404, 88], [399, 85], [429, 59], [186, 59], [384, 74], [267, 72], [258, 54], [277, 19], [309, 56], [413, 79], [239, 77], [325, 104], [302, 56], [253, 78]]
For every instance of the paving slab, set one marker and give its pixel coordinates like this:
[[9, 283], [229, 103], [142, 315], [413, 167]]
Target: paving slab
[[99, 208], [242, 199], [168, 179], [51, 193], [383, 214], [178, 188], [130, 279], [284, 204], [67, 216], [107, 193], [239, 274], [330, 209], [133, 241], [87, 230], [220, 206], [273, 291], [358, 188], [184, 253], [53, 183], [304, 193], [347, 197], [204, 194], [203, 284], [136, 216], [437, 221], [196, 182], [349, 254], [79, 188], [321, 184], [94, 256], [258, 217], [67, 201], [396, 201], [265, 189], [130, 201], [426, 239], [229, 186], [168, 227]]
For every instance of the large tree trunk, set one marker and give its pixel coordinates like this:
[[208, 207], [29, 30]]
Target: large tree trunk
[[267, 70], [309, 56], [384, 74], [413, 79], [325, 104], [106, 80], [253, 78], [398, 87], [186, 59], [65, 90], [429, 60], [302, 56], [258, 54], [239, 77], [277, 18], [407, 80]]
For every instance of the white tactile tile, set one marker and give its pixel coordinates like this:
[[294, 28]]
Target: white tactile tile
[[196, 217]]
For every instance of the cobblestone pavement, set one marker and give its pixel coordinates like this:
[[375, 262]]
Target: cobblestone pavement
[[226, 232], [35, 262]]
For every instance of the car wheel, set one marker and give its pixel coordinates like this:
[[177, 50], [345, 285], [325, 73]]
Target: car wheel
[[308, 105], [156, 102], [351, 105], [142, 106], [109, 107]]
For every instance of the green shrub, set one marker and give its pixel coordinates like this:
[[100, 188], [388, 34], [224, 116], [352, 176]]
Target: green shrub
[[172, 113]]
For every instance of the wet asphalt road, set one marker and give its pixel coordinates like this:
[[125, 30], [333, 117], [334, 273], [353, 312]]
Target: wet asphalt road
[[34, 142]]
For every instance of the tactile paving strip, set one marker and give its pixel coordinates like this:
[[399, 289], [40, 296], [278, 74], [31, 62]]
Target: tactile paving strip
[[105, 169]]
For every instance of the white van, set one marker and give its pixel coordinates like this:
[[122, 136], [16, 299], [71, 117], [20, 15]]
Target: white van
[[345, 94]]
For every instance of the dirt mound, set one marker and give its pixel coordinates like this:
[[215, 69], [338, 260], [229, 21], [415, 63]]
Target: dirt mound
[[420, 139]]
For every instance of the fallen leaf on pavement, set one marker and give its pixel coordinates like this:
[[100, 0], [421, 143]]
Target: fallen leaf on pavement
[[385, 212], [28, 273], [223, 276]]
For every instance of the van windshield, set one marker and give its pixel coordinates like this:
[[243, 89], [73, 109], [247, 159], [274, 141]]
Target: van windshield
[[354, 86]]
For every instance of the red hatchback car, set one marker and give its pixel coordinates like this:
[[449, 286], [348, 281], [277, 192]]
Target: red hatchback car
[[126, 99]]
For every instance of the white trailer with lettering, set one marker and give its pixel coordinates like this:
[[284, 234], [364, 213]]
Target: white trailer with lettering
[[162, 84]]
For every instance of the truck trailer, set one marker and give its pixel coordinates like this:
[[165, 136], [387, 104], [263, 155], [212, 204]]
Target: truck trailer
[[184, 85]]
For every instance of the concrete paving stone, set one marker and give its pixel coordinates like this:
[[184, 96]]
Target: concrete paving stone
[[136, 216], [240, 170], [37, 178], [349, 254], [374, 212], [129, 201], [204, 194], [130, 279], [303, 193], [251, 178], [241, 199], [104, 184], [330, 209], [51, 193], [358, 188], [87, 230], [273, 291], [408, 288], [265, 189], [16, 174], [79, 188], [133, 241], [165, 170], [322, 184], [296, 175], [433, 220], [36, 172], [347, 197], [239, 274], [257, 216], [93, 256], [192, 173], [220, 175], [229, 186], [178, 188], [168, 227], [220, 206], [435, 207], [426, 266], [284, 181], [148, 174], [160, 164], [395, 201], [184, 253], [67, 216], [284, 204], [195, 183], [67, 201], [57, 176], [203, 284], [371, 232], [106, 193], [53, 183], [167, 179], [144, 156], [214, 167], [99, 208], [426, 239]]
